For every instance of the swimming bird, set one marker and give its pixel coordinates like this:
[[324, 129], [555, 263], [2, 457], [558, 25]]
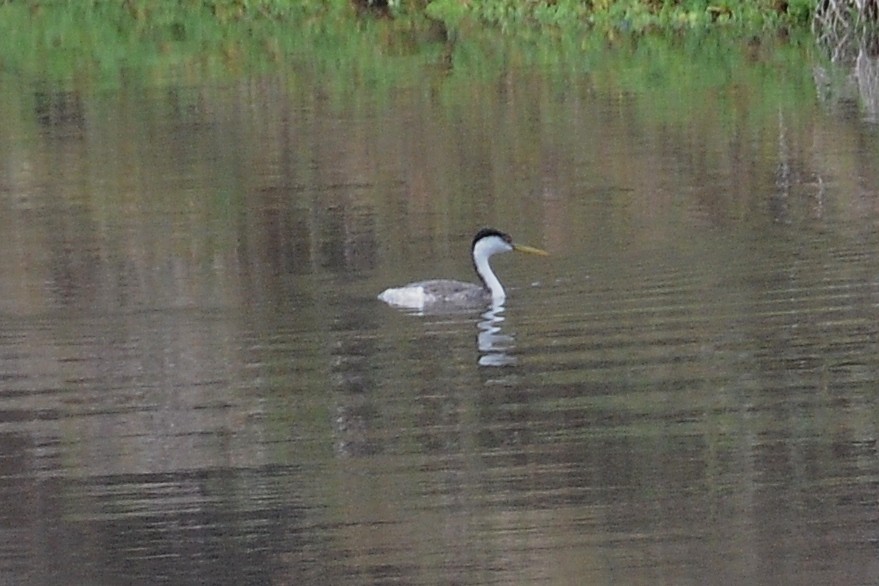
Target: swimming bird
[[442, 293]]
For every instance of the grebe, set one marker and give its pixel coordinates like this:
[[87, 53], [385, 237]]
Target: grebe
[[445, 293]]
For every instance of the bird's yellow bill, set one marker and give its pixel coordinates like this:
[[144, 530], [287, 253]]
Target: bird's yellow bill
[[529, 250]]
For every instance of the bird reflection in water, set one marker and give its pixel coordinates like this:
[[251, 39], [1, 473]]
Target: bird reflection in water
[[493, 344]]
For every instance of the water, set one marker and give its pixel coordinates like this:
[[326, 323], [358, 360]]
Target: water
[[197, 384]]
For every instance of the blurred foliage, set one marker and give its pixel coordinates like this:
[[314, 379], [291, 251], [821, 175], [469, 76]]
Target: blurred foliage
[[96, 40], [628, 16], [92, 42]]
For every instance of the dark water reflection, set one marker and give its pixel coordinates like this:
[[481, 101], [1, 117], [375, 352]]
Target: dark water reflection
[[197, 383]]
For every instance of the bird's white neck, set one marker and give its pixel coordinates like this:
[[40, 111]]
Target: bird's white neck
[[482, 251], [489, 279]]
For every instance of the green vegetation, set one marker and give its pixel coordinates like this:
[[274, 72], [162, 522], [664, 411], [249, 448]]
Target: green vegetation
[[94, 42], [628, 16], [89, 39]]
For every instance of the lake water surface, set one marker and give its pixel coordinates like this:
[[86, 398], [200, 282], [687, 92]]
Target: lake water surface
[[198, 385]]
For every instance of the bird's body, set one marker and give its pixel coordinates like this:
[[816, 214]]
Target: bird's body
[[442, 293], [435, 292]]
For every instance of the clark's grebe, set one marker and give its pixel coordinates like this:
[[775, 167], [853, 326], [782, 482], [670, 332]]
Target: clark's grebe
[[442, 293]]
